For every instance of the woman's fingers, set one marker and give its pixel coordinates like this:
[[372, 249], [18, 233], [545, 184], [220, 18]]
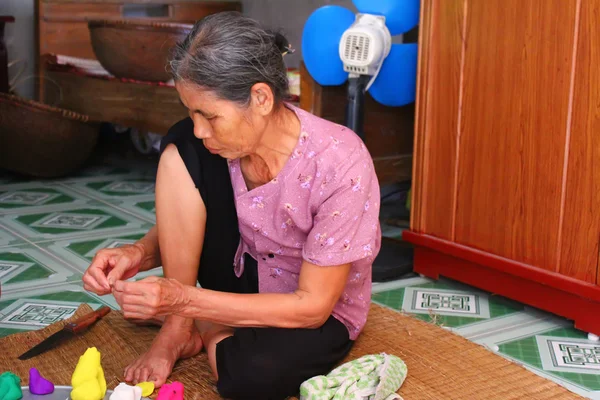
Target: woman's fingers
[[122, 265], [98, 275], [92, 286], [98, 269]]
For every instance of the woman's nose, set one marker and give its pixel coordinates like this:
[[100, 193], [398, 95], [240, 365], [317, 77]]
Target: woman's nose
[[202, 129], [201, 133]]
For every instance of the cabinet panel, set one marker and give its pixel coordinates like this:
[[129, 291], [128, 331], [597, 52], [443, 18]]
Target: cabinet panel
[[514, 115], [78, 11], [190, 13], [66, 38], [581, 223], [437, 132]]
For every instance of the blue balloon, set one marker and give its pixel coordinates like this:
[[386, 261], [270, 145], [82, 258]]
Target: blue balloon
[[396, 83], [320, 44], [400, 15]]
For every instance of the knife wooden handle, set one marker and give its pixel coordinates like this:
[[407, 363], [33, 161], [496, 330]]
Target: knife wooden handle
[[87, 320]]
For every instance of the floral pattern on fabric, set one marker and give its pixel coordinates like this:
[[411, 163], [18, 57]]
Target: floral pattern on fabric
[[323, 207]]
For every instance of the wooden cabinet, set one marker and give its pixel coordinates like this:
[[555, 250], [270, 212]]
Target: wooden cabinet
[[62, 24], [506, 176]]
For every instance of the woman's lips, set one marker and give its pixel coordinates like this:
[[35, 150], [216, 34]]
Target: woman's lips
[[214, 151]]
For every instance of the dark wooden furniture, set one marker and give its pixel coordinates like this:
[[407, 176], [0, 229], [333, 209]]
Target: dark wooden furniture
[[3, 55], [62, 25], [389, 131], [506, 193], [146, 106]]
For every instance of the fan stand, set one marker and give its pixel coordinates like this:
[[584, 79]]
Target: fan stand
[[355, 114], [395, 260]]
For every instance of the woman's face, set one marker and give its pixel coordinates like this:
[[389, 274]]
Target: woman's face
[[225, 128]]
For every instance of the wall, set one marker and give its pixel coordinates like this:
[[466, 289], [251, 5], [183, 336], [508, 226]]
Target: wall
[[20, 41], [289, 16]]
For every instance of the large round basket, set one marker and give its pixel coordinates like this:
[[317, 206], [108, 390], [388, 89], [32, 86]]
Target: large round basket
[[136, 50], [43, 141]]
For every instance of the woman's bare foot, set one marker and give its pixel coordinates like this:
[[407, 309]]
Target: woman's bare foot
[[171, 344]]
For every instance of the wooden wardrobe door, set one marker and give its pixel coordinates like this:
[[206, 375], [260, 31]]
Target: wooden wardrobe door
[[580, 232], [441, 47], [513, 119]]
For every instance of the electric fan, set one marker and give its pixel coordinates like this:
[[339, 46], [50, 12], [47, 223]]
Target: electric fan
[[338, 46]]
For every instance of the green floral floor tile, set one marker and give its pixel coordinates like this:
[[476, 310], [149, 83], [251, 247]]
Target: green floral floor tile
[[447, 303], [80, 252], [149, 206], [121, 188], [27, 267], [32, 197], [71, 222], [37, 311], [11, 263], [103, 170], [8, 239], [88, 248], [564, 352]]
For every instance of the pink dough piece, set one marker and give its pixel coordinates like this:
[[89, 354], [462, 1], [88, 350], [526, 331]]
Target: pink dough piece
[[39, 385], [171, 391]]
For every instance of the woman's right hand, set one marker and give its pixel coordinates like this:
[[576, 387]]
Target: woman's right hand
[[111, 265]]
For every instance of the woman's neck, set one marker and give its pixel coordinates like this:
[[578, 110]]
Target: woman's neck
[[274, 149]]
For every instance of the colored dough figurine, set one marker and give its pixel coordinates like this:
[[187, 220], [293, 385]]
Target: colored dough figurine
[[10, 387], [88, 378], [147, 388], [171, 391], [125, 392], [39, 385]]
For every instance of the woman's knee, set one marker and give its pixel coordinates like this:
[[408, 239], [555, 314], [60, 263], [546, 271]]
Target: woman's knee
[[256, 375]]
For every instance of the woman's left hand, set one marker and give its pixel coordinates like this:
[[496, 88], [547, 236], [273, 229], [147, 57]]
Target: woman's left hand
[[150, 298]]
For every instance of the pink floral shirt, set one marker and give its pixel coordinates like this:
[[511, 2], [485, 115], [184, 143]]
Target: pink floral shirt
[[322, 207]]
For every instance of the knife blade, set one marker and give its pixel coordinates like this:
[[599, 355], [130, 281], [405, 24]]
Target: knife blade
[[69, 331]]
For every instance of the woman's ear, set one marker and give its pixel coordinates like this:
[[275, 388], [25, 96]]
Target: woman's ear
[[262, 99]]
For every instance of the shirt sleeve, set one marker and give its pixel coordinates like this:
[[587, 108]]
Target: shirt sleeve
[[346, 226]]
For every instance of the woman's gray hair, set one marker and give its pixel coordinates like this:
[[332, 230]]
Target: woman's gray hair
[[228, 53]]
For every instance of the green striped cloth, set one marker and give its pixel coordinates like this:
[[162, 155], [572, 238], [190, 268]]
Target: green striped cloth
[[372, 377]]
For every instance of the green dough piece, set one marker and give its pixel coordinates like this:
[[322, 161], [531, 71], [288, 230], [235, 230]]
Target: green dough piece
[[10, 387]]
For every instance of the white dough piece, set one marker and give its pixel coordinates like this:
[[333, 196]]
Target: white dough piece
[[125, 392]]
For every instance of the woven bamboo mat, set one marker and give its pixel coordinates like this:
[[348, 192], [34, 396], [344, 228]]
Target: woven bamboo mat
[[441, 365], [58, 364]]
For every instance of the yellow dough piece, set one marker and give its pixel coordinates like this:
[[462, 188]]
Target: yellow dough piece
[[88, 378], [147, 388]]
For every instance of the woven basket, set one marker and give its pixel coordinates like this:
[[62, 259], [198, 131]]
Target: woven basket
[[136, 50], [43, 141]]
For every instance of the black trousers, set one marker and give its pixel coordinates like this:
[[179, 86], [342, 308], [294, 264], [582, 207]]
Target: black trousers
[[254, 363]]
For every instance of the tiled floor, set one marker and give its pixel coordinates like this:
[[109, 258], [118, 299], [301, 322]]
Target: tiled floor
[[546, 344], [50, 230]]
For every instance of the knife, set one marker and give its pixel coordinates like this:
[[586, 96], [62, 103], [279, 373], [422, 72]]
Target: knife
[[69, 331]]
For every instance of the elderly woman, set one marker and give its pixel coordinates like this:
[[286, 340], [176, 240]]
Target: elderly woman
[[272, 210]]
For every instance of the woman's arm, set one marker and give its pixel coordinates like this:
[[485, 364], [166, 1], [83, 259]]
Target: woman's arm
[[150, 248], [319, 289]]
